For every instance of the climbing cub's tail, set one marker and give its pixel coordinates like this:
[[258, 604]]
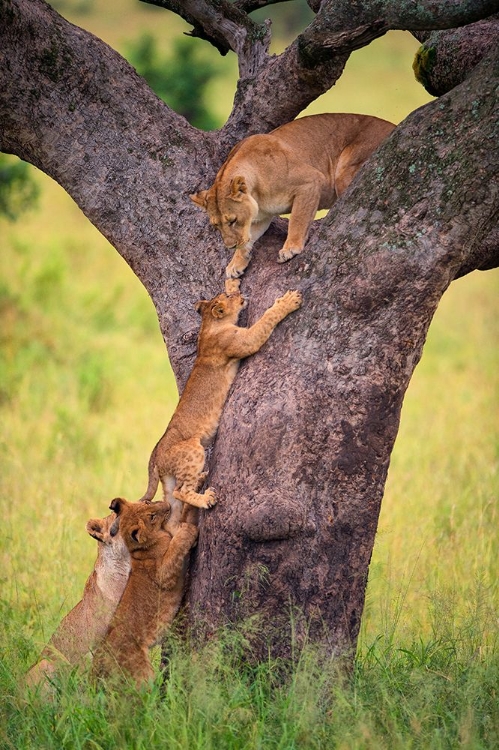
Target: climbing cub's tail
[[153, 481]]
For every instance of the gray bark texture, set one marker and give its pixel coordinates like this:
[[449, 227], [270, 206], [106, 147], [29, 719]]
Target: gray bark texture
[[304, 444]]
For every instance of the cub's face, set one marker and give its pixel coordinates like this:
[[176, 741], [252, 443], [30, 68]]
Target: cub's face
[[232, 212], [140, 524], [222, 307]]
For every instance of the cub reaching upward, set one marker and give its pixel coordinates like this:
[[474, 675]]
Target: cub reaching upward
[[300, 167], [88, 621], [154, 590], [178, 458]]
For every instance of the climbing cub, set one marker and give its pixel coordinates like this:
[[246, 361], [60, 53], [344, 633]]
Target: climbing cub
[[154, 590], [298, 168], [178, 458], [88, 621]]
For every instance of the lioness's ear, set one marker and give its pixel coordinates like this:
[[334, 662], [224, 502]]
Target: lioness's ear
[[95, 528], [117, 505], [199, 198], [238, 188]]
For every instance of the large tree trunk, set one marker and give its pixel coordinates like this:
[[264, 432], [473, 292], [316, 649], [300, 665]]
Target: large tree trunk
[[304, 444]]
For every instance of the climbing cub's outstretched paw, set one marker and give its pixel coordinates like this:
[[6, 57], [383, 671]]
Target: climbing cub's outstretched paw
[[210, 497], [292, 300], [287, 254], [232, 286]]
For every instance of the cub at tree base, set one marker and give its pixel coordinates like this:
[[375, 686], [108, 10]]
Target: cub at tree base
[[298, 168], [87, 623], [178, 458], [154, 590]]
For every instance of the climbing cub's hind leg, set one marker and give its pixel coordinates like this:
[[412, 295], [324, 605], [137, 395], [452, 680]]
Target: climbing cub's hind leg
[[187, 461]]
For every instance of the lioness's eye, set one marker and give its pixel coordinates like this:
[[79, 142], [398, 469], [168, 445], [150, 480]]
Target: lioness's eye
[[231, 220]]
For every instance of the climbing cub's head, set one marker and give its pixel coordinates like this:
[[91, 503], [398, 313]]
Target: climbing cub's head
[[231, 209], [223, 307], [140, 524]]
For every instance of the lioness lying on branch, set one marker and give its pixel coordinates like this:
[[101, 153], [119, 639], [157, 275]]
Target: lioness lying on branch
[[301, 167]]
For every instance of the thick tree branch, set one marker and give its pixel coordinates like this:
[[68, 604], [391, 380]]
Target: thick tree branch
[[302, 504], [446, 58], [335, 18]]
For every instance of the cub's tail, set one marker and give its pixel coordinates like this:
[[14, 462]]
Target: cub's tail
[[153, 481]]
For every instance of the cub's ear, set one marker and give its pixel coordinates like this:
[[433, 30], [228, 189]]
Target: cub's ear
[[95, 527], [201, 306], [238, 188], [200, 198], [117, 505], [218, 310]]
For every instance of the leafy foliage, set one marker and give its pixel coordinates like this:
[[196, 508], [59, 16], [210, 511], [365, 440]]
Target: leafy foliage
[[179, 79], [18, 191]]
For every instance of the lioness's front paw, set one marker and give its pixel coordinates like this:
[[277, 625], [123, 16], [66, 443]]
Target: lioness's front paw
[[210, 497], [288, 253], [234, 270], [292, 300]]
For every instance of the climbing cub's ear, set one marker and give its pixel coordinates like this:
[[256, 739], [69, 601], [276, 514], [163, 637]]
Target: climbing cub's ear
[[238, 188], [201, 306], [95, 528], [219, 310], [200, 198], [117, 505]]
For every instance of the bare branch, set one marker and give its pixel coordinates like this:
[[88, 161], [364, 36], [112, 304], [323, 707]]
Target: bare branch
[[226, 28], [248, 6]]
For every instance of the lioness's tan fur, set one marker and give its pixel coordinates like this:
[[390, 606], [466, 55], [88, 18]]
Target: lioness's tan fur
[[87, 623], [298, 168], [178, 458], [154, 590]]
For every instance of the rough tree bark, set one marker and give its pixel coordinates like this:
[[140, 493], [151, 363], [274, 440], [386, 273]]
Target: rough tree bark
[[304, 444]]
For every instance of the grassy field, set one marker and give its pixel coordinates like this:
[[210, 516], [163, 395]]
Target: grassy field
[[85, 389]]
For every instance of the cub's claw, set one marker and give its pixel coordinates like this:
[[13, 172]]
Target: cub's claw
[[210, 497], [292, 299]]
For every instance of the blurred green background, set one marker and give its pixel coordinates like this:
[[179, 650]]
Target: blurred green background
[[86, 389]]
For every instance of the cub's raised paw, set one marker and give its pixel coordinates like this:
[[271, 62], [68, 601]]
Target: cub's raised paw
[[285, 255], [292, 300], [232, 286], [210, 497]]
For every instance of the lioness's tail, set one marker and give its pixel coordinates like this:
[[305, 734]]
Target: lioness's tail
[[153, 481]]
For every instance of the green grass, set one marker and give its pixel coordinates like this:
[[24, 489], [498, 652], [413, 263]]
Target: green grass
[[86, 389]]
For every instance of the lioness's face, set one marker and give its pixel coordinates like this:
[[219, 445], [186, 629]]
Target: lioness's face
[[231, 212], [234, 221], [140, 524], [222, 307]]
